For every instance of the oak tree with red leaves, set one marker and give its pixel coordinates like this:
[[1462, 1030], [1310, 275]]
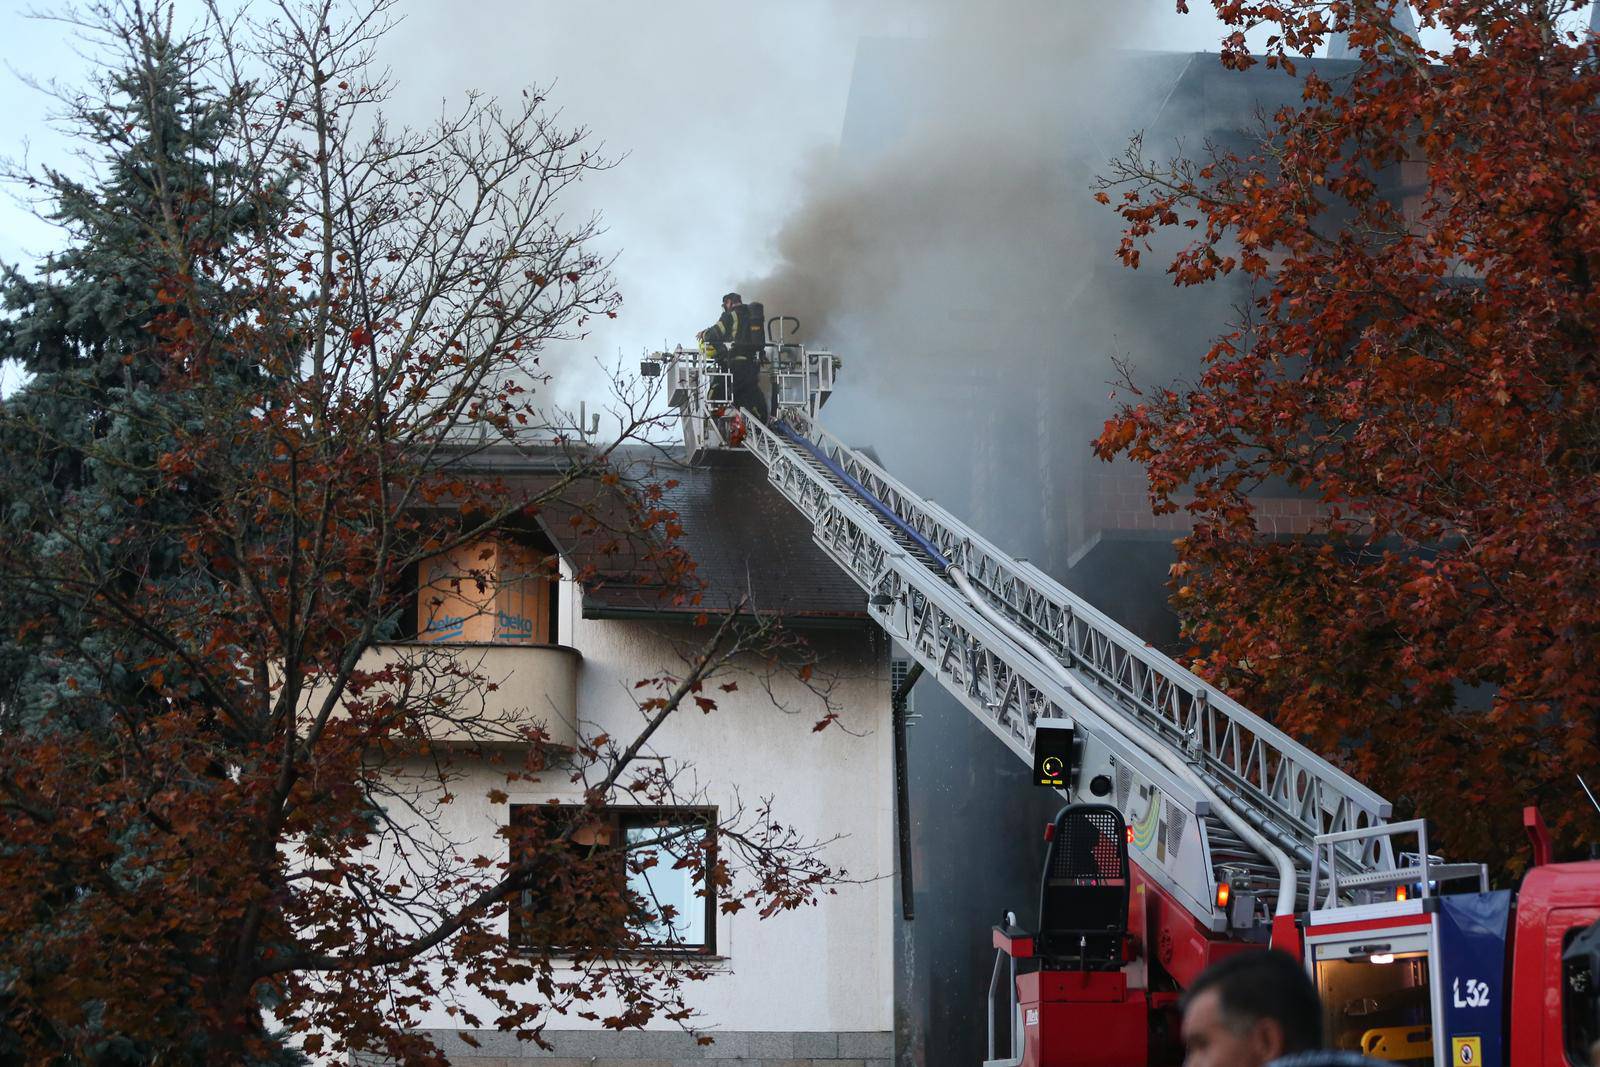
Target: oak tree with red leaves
[[264, 375], [1421, 355]]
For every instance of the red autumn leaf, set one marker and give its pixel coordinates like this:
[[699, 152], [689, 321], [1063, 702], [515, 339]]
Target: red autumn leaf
[[1413, 393]]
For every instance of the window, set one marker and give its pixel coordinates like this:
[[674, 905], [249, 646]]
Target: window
[[662, 862], [1580, 997], [502, 590], [621, 873]]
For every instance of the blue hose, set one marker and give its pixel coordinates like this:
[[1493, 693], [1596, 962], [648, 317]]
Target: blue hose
[[865, 494]]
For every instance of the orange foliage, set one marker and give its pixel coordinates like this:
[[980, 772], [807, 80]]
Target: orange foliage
[[1430, 370]]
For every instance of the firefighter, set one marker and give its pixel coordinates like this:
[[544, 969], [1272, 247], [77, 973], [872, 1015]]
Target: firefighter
[[735, 341]]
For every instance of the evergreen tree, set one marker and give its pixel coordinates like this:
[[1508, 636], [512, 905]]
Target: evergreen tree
[[150, 241], [146, 244]]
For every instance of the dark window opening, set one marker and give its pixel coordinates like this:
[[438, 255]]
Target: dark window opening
[[404, 615], [1580, 992], [629, 876]]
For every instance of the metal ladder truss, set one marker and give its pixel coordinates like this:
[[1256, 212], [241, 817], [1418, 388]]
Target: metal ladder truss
[[1003, 686], [1288, 792]]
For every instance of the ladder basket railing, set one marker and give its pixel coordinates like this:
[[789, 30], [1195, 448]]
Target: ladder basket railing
[[1416, 872]]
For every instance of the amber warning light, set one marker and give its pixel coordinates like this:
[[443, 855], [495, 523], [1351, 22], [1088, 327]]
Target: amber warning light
[[1052, 753]]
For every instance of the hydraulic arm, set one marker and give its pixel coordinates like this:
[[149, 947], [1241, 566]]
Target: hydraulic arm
[[1232, 828]]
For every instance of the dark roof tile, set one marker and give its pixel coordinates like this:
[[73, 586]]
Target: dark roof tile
[[744, 538]]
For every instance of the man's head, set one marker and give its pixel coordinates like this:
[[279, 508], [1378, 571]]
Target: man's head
[[1250, 1009], [731, 301]]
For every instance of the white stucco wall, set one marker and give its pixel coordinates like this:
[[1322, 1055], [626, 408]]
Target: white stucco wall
[[821, 968]]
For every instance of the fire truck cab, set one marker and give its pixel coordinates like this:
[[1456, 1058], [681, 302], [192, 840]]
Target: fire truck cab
[[1555, 958], [1429, 970]]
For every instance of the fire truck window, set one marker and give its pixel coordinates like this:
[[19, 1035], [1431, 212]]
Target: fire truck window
[[1379, 1006], [1580, 999]]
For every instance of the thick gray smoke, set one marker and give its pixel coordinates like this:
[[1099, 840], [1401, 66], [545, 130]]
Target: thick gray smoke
[[954, 256], [954, 145]]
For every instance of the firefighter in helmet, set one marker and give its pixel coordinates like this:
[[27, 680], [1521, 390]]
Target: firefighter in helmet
[[736, 341]]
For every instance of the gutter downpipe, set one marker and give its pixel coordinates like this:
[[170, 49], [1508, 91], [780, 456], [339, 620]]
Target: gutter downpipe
[[902, 789]]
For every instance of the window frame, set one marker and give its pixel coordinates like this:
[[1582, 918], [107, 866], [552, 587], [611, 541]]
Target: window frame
[[621, 818], [528, 539]]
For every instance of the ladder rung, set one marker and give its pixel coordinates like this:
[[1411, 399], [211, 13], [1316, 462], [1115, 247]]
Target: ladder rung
[[1437, 872]]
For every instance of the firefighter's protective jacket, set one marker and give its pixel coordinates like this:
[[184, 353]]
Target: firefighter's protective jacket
[[730, 335]]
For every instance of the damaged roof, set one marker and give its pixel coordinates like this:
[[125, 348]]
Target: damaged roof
[[745, 540]]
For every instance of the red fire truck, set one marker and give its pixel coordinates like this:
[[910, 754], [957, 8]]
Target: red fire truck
[[1428, 968], [1194, 828]]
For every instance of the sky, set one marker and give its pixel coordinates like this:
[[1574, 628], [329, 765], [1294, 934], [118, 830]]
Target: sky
[[672, 89], [723, 114]]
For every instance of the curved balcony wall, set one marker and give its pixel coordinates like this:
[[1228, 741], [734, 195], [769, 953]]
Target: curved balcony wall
[[481, 694]]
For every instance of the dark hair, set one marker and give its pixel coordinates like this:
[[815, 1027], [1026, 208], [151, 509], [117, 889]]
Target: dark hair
[[735, 297], [1268, 984]]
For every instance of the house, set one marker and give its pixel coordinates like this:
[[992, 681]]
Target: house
[[812, 985]]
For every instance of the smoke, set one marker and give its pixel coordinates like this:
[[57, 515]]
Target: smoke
[[959, 146], [706, 104], [953, 254], [960, 178]]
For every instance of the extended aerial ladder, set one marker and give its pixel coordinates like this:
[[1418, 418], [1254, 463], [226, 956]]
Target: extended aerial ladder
[[1233, 827], [1016, 647]]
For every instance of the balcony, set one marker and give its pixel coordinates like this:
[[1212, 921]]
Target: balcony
[[520, 686]]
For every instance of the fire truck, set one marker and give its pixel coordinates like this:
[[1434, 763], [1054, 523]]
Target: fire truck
[[1193, 828]]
